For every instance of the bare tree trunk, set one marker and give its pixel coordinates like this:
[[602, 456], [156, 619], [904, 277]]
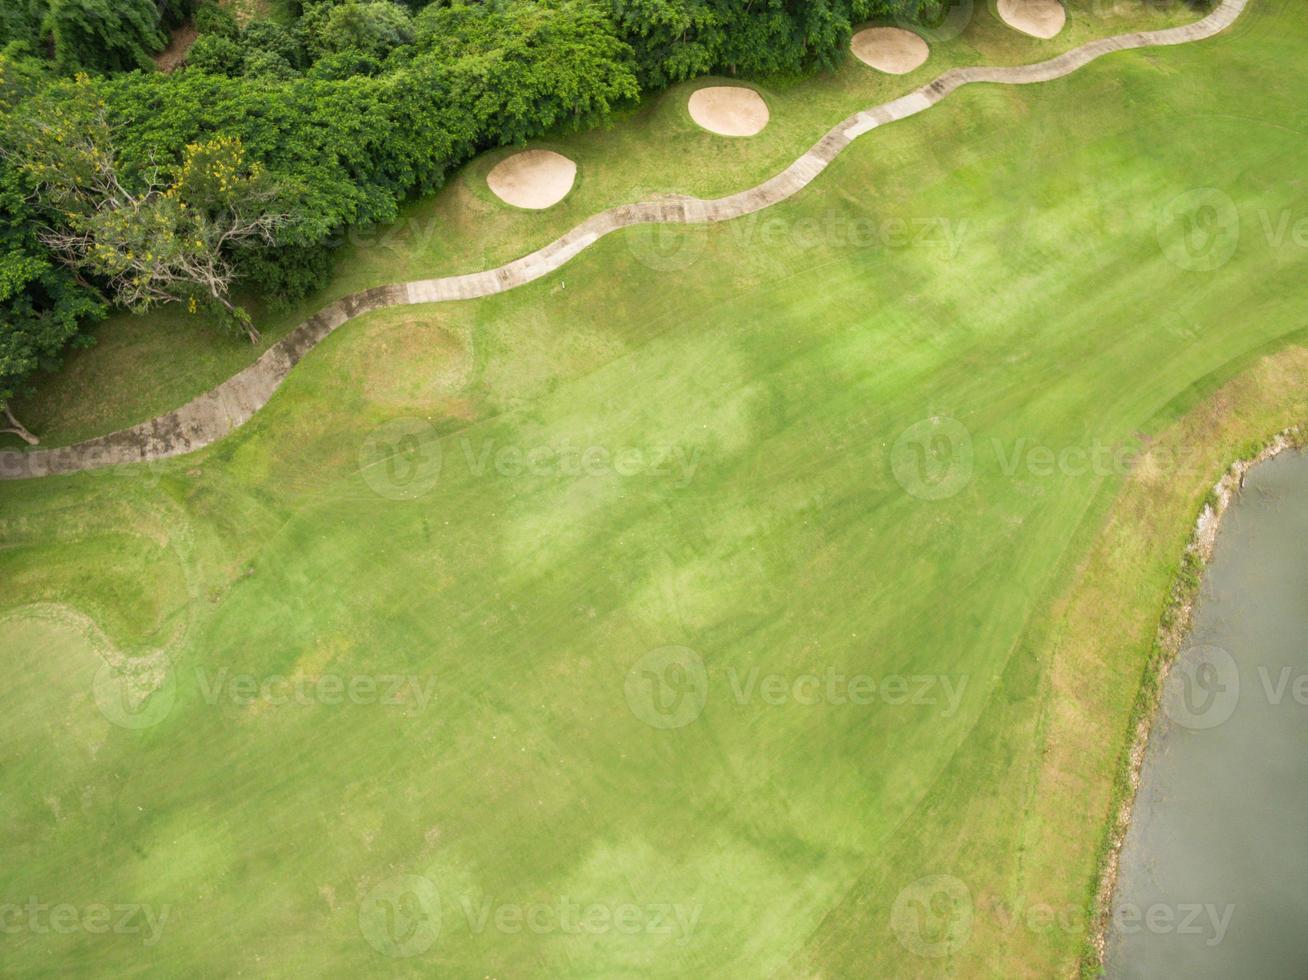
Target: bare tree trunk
[[242, 317], [17, 428]]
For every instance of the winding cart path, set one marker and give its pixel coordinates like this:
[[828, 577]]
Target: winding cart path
[[217, 412]]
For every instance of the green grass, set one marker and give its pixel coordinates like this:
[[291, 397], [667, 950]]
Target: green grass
[[785, 365], [143, 366]]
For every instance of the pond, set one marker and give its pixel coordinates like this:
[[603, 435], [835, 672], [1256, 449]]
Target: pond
[[1213, 879]]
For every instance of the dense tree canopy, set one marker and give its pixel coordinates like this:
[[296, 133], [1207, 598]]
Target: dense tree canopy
[[171, 241], [42, 306], [346, 106], [93, 35]]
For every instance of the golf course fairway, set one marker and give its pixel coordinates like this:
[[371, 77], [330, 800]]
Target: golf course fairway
[[768, 598]]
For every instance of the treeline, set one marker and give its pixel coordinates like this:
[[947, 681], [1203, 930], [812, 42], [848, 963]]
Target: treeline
[[345, 107]]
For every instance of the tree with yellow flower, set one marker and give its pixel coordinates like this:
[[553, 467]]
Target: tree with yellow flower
[[170, 236]]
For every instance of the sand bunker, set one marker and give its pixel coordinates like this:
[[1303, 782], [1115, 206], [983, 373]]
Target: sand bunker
[[1039, 18], [890, 49], [729, 110], [532, 179]]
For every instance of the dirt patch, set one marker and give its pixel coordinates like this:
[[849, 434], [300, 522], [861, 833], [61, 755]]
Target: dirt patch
[[890, 49], [729, 110], [419, 363], [179, 45], [1039, 18], [533, 179], [247, 10]]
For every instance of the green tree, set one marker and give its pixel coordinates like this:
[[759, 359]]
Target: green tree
[[216, 54], [42, 307], [267, 64], [171, 240], [213, 19], [520, 68], [371, 27], [104, 35], [262, 35]]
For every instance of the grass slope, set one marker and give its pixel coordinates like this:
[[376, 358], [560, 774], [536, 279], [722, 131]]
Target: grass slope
[[784, 357]]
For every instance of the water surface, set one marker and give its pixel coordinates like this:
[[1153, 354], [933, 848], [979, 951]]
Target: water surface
[[1214, 872]]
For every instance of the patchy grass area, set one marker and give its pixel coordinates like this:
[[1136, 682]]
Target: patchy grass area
[[903, 652]]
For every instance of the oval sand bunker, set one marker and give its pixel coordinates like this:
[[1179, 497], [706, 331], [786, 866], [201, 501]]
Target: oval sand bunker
[[532, 179], [1039, 18], [890, 49], [729, 110]]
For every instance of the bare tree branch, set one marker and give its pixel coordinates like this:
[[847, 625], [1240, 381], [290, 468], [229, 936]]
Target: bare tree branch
[[170, 242]]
